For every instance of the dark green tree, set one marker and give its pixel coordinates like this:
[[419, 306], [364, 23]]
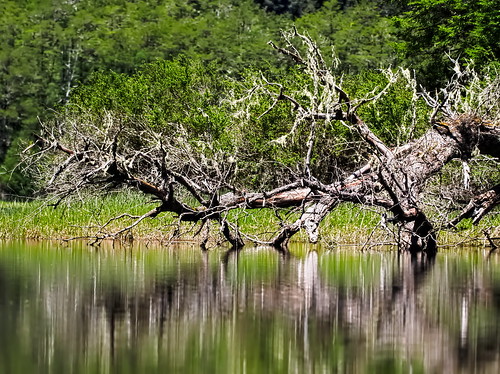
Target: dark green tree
[[432, 30], [363, 38], [294, 8]]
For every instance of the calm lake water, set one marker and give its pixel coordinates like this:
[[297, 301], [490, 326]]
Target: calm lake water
[[75, 309]]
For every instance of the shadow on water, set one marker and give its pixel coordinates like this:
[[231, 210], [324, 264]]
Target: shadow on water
[[183, 310]]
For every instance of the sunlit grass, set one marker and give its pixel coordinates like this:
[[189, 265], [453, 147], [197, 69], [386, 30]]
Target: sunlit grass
[[83, 217], [37, 219], [466, 233], [92, 215]]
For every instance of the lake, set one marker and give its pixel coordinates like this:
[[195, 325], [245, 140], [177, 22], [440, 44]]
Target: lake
[[142, 309]]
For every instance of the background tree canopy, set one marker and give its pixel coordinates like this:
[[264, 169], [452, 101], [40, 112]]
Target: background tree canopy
[[432, 30], [51, 47]]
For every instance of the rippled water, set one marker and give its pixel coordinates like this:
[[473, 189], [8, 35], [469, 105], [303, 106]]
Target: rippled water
[[77, 309]]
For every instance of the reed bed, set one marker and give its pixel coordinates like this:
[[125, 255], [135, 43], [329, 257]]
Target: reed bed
[[92, 216]]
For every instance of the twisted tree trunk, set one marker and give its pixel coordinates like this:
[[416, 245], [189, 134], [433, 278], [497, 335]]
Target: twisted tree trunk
[[395, 179]]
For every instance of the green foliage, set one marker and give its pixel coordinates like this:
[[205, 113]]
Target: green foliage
[[431, 29], [163, 95], [278, 139], [48, 48], [294, 8], [18, 182], [362, 37], [51, 47], [191, 100], [399, 115]]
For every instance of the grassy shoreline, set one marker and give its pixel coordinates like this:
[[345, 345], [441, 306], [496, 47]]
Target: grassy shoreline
[[347, 224]]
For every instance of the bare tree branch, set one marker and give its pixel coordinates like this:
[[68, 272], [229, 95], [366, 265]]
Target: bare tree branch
[[198, 183]]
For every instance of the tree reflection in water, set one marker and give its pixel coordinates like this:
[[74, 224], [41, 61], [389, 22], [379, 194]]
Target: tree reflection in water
[[183, 310]]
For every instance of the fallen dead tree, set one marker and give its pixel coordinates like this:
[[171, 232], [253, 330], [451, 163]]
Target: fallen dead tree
[[464, 121]]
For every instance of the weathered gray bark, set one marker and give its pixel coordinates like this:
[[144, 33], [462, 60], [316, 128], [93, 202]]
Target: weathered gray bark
[[401, 174], [393, 178], [479, 206]]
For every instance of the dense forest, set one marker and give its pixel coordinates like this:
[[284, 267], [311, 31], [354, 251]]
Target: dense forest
[[89, 52]]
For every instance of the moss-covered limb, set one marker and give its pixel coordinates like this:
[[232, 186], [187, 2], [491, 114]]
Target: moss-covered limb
[[194, 163]]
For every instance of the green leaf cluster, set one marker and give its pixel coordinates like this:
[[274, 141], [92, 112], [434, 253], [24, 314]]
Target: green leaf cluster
[[162, 95], [362, 36], [432, 30]]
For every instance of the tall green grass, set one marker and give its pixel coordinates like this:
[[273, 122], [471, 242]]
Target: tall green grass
[[37, 219], [84, 217], [347, 224]]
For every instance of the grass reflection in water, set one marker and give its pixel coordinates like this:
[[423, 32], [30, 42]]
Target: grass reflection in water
[[179, 310]]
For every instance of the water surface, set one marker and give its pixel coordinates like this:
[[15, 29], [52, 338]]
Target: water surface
[[78, 309]]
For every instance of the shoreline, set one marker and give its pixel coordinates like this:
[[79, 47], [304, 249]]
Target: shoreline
[[102, 216]]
